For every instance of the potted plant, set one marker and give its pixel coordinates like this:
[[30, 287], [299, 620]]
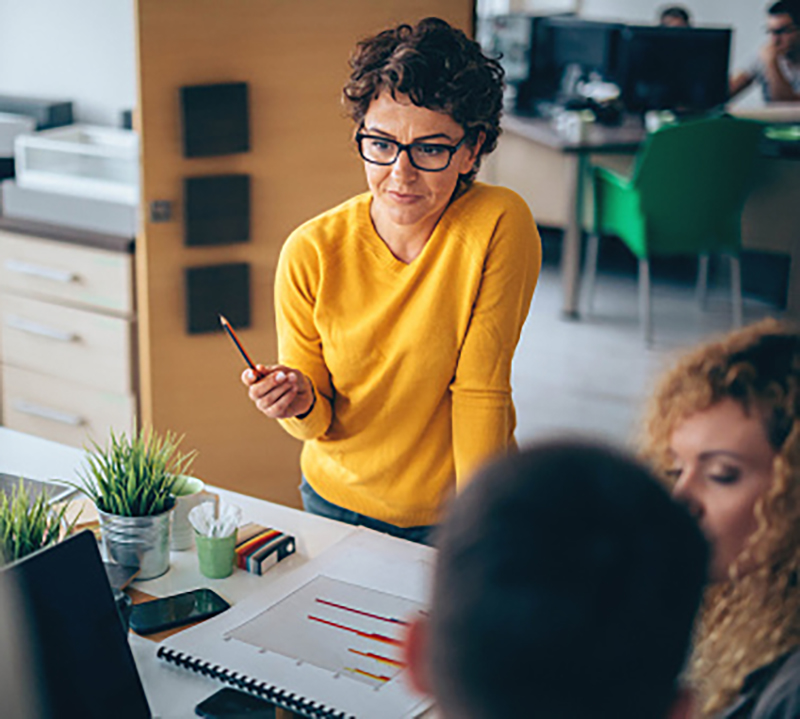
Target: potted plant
[[28, 523], [131, 482]]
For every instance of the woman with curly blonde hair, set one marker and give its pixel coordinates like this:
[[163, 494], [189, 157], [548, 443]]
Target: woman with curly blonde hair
[[724, 430]]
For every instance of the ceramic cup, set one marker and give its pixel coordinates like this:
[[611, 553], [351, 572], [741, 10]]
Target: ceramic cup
[[216, 555], [189, 492]]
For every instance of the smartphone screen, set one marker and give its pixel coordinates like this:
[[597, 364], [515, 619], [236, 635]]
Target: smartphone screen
[[232, 704], [176, 610]]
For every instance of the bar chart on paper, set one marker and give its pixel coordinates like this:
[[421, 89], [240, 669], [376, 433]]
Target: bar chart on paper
[[351, 631], [324, 640]]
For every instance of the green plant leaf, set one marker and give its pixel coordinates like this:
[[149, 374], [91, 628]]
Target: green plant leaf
[[136, 476], [28, 523]]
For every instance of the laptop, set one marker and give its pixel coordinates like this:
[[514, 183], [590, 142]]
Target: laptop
[[81, 656], [54, 490]]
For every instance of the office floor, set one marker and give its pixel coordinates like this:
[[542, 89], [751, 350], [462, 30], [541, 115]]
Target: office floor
[[593, 376]]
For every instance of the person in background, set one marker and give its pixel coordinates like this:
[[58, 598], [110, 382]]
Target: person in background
[[724, 432], [777, 68], [398, 312], [675, 16], [566, 587]]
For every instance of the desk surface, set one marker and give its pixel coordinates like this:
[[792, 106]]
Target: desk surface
[[172, 692], [600, 138], [38, 458], [772, 112]]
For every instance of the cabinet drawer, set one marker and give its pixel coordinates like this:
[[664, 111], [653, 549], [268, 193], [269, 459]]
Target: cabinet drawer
[[62, 411], [69, 273], [85, 347]]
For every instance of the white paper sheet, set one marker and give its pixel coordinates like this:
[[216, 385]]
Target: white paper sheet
[[361, 592]]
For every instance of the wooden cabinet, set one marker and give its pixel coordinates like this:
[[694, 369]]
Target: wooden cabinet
[[67, 335]]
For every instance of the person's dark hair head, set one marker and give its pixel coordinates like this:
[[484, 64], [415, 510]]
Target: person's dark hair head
[[675, 13], [567, 582], [786, 7], [439, 68]]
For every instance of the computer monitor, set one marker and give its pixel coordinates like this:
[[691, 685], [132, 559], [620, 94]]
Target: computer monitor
[[591, 45], [522, 45], [683, 69], [79, 647]]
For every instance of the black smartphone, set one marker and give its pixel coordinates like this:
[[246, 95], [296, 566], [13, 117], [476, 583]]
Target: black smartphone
[[169, 612], [230, 703]]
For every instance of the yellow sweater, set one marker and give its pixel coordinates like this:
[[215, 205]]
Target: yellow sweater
[[411, 363]]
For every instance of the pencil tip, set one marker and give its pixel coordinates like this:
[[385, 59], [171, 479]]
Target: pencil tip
[[222, 320]]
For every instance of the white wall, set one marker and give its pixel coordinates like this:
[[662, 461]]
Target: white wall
[[80, 50], [83, 50], [503, 7]]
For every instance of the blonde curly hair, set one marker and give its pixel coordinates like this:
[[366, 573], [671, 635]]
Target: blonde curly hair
[[749, 619]]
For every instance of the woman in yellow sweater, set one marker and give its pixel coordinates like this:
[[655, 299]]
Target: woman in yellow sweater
[[398, 312]]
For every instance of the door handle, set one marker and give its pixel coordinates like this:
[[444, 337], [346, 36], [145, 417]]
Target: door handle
[[40, 271], [55, 415], [40, 330]]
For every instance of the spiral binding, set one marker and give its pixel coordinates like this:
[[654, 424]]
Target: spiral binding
[[275, 695]]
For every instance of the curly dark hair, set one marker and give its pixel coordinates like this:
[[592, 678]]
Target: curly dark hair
[[440, 69]]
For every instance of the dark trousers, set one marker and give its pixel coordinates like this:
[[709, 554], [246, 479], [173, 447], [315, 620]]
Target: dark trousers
[[315, 504]]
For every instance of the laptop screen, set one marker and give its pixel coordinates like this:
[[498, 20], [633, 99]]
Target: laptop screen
[[79, 647]]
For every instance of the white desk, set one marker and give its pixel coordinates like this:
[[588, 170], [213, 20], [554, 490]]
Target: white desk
[[37, 458], [172, 692]]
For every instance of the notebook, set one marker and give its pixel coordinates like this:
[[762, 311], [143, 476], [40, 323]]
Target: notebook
[[324, 640], [81, 655]]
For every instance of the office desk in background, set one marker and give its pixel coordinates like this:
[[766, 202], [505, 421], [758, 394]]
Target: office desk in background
[[771, 217], [551, 174]]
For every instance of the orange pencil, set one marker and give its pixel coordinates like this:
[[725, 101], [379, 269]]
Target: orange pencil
[[227, 327]]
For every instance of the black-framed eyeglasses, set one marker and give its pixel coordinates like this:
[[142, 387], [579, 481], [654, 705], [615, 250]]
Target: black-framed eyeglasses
[[784, 30], [425, 156]]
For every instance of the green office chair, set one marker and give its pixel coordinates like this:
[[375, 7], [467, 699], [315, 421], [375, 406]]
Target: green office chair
[[686, 196]]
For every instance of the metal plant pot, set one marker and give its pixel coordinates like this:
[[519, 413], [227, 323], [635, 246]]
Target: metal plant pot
[[141, 542]]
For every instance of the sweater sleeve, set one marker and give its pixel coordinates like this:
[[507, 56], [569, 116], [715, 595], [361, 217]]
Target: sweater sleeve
[[299, 345], [481, 392]]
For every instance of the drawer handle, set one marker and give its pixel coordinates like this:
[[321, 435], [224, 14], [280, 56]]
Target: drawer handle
[[40, 330], [40, 271], [37, 410]]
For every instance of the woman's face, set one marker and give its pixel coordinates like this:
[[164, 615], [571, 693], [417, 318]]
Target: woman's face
[[407, 200], [722, 463]]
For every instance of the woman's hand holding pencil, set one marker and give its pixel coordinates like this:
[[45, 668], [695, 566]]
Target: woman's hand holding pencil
[[278, 391]]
